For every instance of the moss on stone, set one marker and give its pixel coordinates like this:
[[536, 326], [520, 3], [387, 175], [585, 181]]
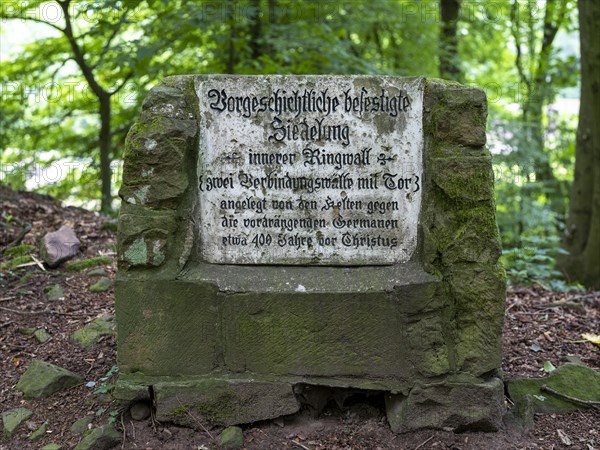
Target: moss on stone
[[82, 264], [15, 262], [19, 250]]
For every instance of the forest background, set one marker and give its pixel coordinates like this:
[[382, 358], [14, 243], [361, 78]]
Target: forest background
[[74, 73]]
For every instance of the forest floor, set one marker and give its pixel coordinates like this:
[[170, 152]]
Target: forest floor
[[540, 326]]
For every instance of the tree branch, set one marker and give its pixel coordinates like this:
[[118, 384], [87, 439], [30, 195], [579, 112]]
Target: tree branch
[[122, 85], [34, 19], [79, 56], [514, 28], [114, 33]]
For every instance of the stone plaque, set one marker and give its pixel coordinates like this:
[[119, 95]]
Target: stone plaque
[[320, 170]]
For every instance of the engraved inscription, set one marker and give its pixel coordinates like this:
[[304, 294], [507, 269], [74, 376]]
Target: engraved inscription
[[321, 170]]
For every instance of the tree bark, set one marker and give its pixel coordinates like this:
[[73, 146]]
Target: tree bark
[[582, 237], [448, 46], [255, 30], [104, 140], [103, 97]]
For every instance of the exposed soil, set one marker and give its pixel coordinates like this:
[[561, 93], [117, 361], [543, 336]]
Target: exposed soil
[[540, 326]]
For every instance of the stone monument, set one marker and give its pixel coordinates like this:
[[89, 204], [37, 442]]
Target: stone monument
[[286, 233]]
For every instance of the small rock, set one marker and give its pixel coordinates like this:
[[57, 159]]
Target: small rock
[[27, 331], [55, 292], [232, 437], [52, 446], [39, 432], [98, 272], [13, 419], [81, 426], [521, 416], [102, 285], [101, 438], [139, 411], [42, 335], [570, 380], [59, 246], [88, 336], [42, 379]]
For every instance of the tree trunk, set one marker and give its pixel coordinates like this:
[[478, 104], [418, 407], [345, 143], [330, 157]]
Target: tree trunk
[[255, 29], [104, 140], [448, 47], [582, 237], [231, 56]]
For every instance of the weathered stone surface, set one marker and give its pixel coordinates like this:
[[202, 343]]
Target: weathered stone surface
[[39, 432], [55, 292], [88, 335], [474, 405], [101, 438], [80, 426], [42, 379], [521, 415], [232, 437], [222, 402], [373, 194], [572, 380], [102, 285], [52, 446], [140, 411], [42, 335], [97, 273], [59, 246], [13, 419], [428, 328], [457, 113]]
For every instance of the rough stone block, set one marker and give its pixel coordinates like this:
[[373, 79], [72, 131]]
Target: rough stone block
[[474, 405], [222, 402], [59, 246]]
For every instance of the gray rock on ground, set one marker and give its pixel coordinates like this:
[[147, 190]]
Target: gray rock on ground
[[102, 285], [39, 432], [140, 411], [232, 438], [42, 379], [81, 426], [566, 389], [55, 292], [59, 246], [88, 336], [101, 438], [13, 419], [98, 272]]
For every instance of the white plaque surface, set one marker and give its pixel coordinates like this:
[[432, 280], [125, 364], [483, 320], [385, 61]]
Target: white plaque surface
[[309, 170]]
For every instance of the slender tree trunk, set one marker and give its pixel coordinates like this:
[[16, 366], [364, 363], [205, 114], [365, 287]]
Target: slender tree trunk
[[582, 237], [255, 29], [104, 139], [231, 56], [448, 42]]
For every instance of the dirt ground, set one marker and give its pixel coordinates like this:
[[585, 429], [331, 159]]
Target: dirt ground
[[540, 326]]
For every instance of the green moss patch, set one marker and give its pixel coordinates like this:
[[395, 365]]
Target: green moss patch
[[82, 264]]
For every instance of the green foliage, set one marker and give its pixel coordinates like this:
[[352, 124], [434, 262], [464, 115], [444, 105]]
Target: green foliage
[[535, 262], [82, 264], [106, 386], [49, 117]]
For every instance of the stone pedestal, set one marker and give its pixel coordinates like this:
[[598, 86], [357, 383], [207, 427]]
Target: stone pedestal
[[229, 331]]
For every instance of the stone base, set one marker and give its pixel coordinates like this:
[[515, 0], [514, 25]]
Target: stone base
[[230, 345], [216, 401], [460, 406]]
